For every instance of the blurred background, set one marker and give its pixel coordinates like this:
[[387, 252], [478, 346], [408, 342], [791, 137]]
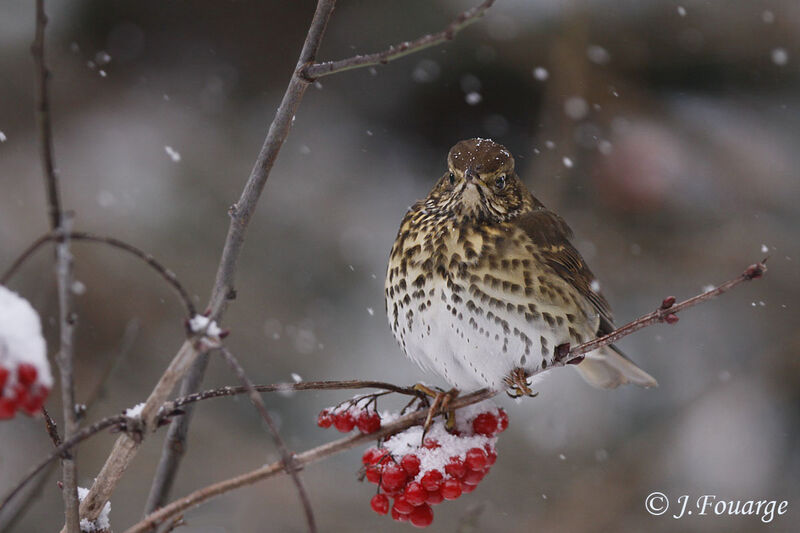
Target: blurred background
[[665, 133]]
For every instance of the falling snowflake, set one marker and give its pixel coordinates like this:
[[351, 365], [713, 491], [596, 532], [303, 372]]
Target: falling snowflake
[[173, 154]]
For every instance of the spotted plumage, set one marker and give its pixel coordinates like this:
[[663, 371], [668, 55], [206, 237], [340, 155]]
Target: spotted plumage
[[483, 282]]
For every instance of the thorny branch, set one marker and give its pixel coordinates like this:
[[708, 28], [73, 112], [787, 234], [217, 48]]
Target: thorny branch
[[59, 236], [318, 70], [286, 455]]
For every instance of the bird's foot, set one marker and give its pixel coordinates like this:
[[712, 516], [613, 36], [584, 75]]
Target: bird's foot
[[440, 403], [518, 384]]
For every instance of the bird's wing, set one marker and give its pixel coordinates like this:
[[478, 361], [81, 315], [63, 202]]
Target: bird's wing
[[550, 234]]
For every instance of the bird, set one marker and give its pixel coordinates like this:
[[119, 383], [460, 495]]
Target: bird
[[484, 288]]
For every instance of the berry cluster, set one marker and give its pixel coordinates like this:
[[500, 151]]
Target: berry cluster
[[20, 390], [345, 419], [25, 377], [417, 474]]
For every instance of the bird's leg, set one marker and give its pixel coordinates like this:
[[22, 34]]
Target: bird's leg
[[517, 382], [441, 400]]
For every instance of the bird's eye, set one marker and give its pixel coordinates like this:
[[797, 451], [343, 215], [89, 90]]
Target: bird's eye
[[452, 178], [500, 183]]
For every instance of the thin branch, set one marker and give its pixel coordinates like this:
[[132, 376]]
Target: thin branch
[[178, 407], [240, 214], [305, 71], [667, 312], [57, 236], [43, 119], [286, 455], [667, 309], [318, 70], [64, 359], [305, 458], [175, 407], [62, 449]]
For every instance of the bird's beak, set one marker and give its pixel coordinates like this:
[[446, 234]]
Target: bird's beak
[[471, 177]]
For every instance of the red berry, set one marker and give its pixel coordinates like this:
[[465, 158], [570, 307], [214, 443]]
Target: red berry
[[431, 444], [3, 377], [398, 516], [432, 480], [476, 459], [473, 478], [394, 477], [485, 424], [21, 393], [410, 464], [324, 420], [466, 488], [415, 493], [422, 516], [380, 503], [34, 403], [434, 497], [456, 468], [503, 420], [344, 421], [451, 489], [371, 456], [26, 373], [402, 505], [7, 408], [373, 474], [368, 422]]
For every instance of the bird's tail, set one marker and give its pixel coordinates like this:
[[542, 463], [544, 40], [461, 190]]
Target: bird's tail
[[608, 368]]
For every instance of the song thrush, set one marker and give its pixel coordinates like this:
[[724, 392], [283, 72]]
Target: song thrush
[[483, 284]]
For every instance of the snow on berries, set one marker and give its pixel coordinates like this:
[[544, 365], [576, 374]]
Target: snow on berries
[[25, 378], [413, 474], [350, 415]]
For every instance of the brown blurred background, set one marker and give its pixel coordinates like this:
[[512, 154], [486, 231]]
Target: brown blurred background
[[665, 133]]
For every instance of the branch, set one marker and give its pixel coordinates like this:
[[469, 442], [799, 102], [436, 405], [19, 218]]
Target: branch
[[59, 236], [668, 309], [65, 370], [177, 407], [43, 119], [662, 314], [305, 71], [305, 458], [318, 70], [240, 214], [667, 312], [286, 455]]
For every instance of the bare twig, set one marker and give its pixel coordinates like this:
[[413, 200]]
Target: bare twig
[[43, 119], [58, 221], [65, 369], [667, 312], [175, 407], [318, 70], [63, 448], [152, 262], [668, 308], [287, 457], [305, 458], [178, 407], [240, 214]]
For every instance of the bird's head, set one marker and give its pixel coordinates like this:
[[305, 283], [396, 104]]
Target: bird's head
[[480, 184]]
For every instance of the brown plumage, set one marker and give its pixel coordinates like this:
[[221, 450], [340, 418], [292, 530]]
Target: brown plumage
[[483, 282]]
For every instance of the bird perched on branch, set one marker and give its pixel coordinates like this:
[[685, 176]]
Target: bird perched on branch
[[484, 287]]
